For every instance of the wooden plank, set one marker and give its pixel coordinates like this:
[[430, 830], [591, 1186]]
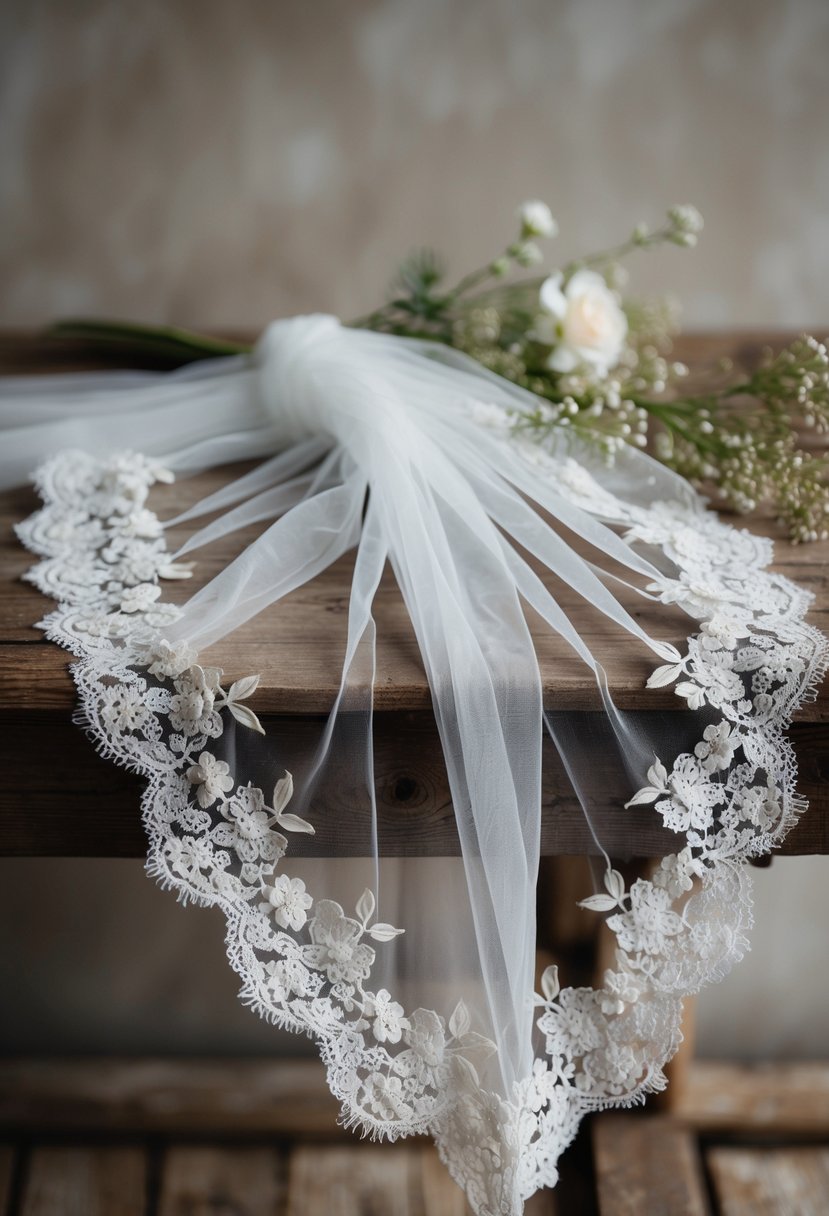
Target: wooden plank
[[364, 1180], [647, 1164], [278, 1097], [81, 806], [213, 1181], [297, 646], [774, 1098], [770, 1182], [7, 1166], [85, 1182]]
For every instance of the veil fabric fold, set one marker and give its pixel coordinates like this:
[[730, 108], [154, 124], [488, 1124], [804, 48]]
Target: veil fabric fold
[[406, 453]]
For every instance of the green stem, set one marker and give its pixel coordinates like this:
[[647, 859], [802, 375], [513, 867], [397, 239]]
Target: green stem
[[164, 341]]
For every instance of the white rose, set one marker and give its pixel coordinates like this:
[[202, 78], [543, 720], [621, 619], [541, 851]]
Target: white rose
[[536, 219], [582, 322]]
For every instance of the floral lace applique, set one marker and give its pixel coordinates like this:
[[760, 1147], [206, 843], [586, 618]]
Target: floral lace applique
[[306, 962]]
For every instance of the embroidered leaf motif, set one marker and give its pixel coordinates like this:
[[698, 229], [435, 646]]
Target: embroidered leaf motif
[[549, 982], [692, 693], [598, 903], [174, 570], [382, 932], [460, 1021], [293, 823], [658, 775], [615, 885], [283, 792], [646, 794], [366, 905], [466, 1066], [665, 675], [246, 716], [240, 690]]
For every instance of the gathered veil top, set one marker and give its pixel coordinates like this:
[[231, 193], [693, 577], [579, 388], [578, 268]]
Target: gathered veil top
[[416, 977]]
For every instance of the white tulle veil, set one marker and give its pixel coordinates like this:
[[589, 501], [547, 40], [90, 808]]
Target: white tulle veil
[[416, 977]]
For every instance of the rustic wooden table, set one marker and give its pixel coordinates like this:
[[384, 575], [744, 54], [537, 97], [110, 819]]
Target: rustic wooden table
[[58, 798]]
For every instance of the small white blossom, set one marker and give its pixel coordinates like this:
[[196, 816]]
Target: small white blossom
[[336, 947], [123, 708], [527, 253], [212, 777], [140, 598], [192, 706], [166, 660], [717, 748], [426, 1036], [288, 900], [536, 219], [686, 224], [389, 1022]]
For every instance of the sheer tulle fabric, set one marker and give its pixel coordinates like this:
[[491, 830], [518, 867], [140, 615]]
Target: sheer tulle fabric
[[416, 978]]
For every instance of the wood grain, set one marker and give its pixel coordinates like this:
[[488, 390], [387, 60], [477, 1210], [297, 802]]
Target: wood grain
[[85, 1182], [647, 1165], [770, 1182], [208, 1180], [107, 1095], [720, 1096], [395, 1180]]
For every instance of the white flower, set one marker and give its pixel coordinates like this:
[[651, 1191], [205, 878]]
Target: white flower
[[536, 219], [288, 900], [686, 224], [722, 632], [191, 707], [290, 977], [212, 777], [142, 523], [527, 253], [389, 1022], [619, 989], [676, 873], [384, 1097], [425, 1035], [718, 747], [165, 659], [123, 708], [140, 598], [760, 805], [337, 948], [650, 922], [693, 796], [582, 321], [249, 827], [572, 1022]]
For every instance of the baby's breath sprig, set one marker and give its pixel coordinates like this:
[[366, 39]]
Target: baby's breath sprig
[[602, 371]]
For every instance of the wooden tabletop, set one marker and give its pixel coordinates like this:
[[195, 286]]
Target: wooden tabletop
[[84, 806]]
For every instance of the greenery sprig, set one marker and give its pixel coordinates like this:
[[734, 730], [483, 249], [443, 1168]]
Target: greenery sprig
[[600, 364], [601, 367]]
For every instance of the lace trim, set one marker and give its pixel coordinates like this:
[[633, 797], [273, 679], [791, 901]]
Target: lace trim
[[305, 963]]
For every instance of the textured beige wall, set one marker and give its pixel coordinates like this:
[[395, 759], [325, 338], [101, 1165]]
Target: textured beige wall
[[222, 163], [217, 163]]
